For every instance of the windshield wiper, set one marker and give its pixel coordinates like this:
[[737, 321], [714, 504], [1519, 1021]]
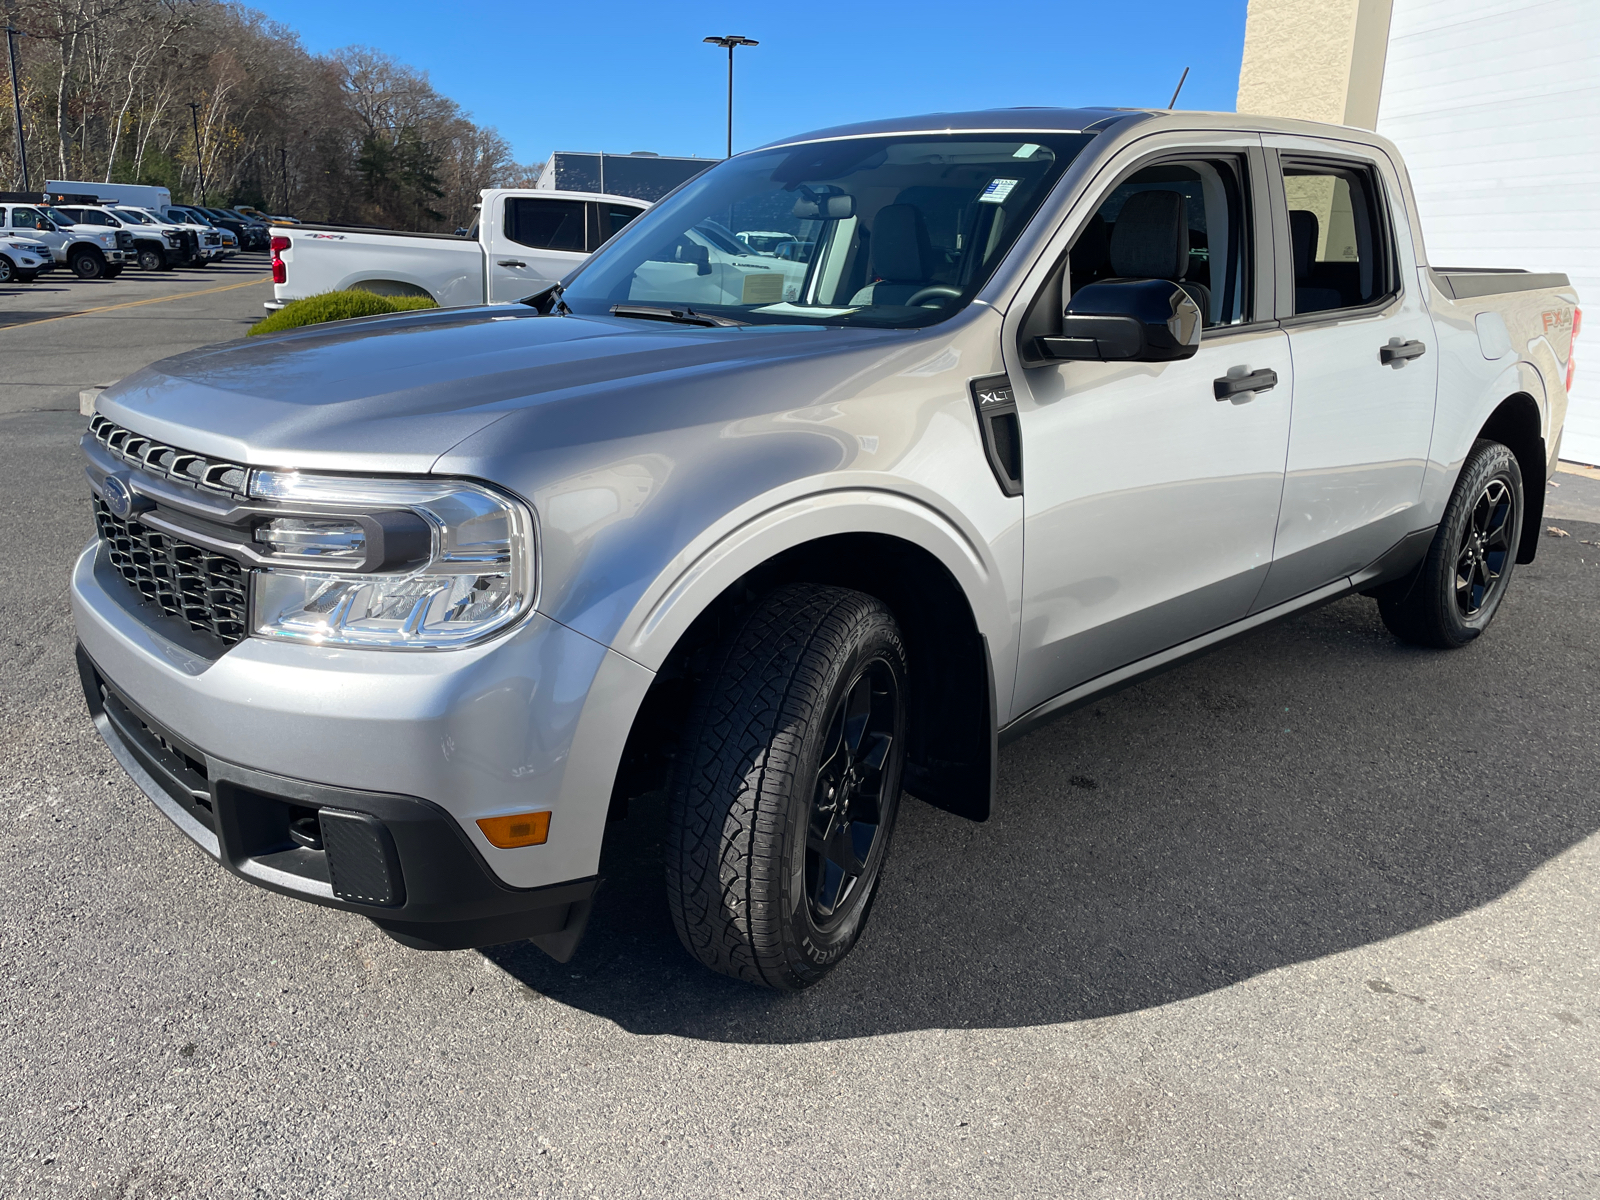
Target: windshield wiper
[[548, 300], [683, 315]]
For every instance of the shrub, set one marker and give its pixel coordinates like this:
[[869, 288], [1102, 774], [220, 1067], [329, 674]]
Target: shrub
[[337, 306]]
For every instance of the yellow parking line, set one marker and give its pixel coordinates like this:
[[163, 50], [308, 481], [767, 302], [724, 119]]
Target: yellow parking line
[[228, 287]]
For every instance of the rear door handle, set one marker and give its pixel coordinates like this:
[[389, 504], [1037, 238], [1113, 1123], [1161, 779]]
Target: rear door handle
[[1397, 353], [511, 262], [1228, 386]]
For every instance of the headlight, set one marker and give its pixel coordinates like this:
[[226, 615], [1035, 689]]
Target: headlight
[[467, 555]]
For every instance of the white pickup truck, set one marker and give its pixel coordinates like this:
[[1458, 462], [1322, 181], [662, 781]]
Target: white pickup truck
[[523, 240]]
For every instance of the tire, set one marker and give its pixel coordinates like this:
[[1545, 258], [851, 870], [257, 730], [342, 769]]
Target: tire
[[1456, 592], [87, 264], [152, 260], [778, 826], [8, 270]]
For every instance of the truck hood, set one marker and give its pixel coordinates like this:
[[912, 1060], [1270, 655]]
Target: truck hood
[[396, 393]]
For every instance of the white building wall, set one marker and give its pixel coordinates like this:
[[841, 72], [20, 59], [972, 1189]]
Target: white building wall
[[1496, 106]]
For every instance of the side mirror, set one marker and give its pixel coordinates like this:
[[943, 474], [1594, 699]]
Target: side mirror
[[699, 255], [1127, 320]]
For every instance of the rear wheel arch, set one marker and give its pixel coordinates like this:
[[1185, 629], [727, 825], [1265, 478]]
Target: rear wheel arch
[[1518, 425], [951, 730], [392, 287]]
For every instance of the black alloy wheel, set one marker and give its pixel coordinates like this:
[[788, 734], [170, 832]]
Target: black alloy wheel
[[786, 784], [848, 807], [1486, 549], [1451, 598]]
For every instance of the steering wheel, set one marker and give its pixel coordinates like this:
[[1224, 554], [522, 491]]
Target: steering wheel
[[937, 289]]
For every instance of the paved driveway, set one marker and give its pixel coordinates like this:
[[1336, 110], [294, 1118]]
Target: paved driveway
[[1313, 916]]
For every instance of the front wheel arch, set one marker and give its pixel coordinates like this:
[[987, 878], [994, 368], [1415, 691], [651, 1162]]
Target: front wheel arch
[[952, 752]]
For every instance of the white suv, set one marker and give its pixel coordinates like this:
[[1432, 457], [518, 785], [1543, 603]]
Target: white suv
[[22, 259]]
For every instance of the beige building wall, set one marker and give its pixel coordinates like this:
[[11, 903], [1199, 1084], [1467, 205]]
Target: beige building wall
[[1319, 60]]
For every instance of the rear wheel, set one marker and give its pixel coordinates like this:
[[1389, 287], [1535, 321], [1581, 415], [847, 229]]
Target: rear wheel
[[88, 264], [786, 787], [1458, 589]]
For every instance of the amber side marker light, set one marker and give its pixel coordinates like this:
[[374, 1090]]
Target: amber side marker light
[[519, 829]]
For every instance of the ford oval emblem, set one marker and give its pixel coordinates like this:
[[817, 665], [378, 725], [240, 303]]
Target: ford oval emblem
[[117, 495]]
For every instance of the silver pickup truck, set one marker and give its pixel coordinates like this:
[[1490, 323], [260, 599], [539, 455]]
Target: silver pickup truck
[[394, 616]]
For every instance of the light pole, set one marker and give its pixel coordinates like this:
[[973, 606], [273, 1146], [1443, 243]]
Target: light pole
[[199, 161], [16, 100], [730, 41]]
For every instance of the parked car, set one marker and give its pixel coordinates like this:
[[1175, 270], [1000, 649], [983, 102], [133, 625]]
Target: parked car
[[22, 260], [132, 195], [91, 251], [396, 615], [524, 241], [208, 237], [252, 234], [154, 246]]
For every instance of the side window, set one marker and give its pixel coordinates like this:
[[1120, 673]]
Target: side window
[[24, 218], [618, 215], [545, 224], [1184, 221], [1342, 256]]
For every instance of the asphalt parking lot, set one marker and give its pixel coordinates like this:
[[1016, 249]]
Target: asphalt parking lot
[[1315, 916]]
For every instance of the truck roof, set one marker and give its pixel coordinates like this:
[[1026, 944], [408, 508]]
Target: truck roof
[[1081, 120]]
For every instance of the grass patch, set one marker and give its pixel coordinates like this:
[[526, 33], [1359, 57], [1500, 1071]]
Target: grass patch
[[337, 306]]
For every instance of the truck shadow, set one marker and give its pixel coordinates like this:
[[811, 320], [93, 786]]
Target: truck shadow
[[1311, 789]]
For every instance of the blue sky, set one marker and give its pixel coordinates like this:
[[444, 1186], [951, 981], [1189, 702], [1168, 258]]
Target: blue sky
[[622, 76]]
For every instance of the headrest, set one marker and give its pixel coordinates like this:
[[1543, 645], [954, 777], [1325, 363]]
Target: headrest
[[901, 251], [1304, 231], [1150, 239]]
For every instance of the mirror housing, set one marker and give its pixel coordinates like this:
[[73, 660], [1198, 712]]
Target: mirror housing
[[1126, 320]]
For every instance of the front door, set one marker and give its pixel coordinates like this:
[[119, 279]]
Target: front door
[[533, 243], [1150, 504], [1366, 367], [35, 224]]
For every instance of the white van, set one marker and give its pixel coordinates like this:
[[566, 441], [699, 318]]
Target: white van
[[133, 195]]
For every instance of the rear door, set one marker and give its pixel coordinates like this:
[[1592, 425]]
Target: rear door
[[533, 242], [1365, 364]]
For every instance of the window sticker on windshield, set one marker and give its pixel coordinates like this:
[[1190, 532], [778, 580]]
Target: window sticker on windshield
[[762, 287], [997, 191]]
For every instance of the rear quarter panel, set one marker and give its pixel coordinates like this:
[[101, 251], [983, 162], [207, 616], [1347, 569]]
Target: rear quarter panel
[[448, 269]]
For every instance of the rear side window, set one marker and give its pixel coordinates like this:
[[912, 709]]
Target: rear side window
[[1343, 255], [617, 216], [546, 224]]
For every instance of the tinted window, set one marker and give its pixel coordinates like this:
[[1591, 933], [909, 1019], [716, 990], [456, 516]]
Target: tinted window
[[24, 218], [618, 215], [1199, 228], [545, 224], [1341, 254]]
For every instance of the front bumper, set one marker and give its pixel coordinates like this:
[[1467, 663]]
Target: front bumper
[[419, 742]]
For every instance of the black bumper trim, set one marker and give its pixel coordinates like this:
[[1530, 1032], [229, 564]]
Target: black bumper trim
[[431, 890]]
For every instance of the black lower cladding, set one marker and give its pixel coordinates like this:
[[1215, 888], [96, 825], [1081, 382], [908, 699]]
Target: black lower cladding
[[400, 861]]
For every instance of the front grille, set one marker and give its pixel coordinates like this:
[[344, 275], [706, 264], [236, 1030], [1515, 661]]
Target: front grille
[[159, 459], [183, 580]]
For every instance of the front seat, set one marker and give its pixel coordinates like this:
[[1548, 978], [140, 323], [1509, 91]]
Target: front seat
[[902, 256], [1304, 232], [1150, 240]]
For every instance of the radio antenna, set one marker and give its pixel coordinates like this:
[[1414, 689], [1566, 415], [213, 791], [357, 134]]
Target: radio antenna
[[1177, 89]]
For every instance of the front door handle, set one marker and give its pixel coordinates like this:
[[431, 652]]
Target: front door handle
[[1229, 386], [1397, 353], [511, 262]]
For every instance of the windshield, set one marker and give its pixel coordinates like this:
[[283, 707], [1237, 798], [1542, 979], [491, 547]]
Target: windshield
[[134, 218], [896, 231]]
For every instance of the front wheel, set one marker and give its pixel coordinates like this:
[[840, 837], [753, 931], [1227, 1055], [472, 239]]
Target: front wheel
[[88, 265], [786, 787], [1457, 590], [152, 260], [8, 270]]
